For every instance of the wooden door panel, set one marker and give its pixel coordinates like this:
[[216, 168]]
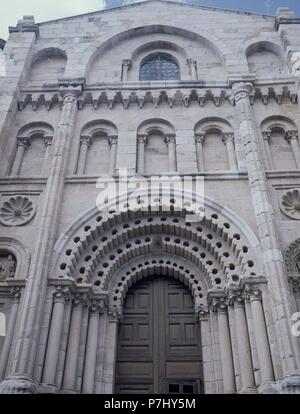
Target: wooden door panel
[[159, 340]]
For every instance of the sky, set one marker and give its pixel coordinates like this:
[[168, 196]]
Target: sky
[[44, 10]]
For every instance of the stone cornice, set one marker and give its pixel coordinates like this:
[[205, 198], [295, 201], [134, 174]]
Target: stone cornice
[[113, 98]]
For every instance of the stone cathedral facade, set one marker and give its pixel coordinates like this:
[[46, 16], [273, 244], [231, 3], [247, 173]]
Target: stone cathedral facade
[[144, 300]]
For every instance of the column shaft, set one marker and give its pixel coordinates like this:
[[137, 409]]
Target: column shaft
[[113, 142], [171, 141], [228, 139], [262, 342], [293, 140], [91, 354], [199, 138], [85, 143], [226, 352], [73, 349], [142, 139], [266, 138], [9, 336], [47, 158], [54, 339], [23, 144], [247, 377]]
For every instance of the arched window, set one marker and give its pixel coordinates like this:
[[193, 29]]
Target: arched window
[[159, 67]]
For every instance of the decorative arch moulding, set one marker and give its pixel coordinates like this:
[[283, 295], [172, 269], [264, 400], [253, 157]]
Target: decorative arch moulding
[[169, 95]]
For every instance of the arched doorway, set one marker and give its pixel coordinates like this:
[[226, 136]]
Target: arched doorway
[[159, 345]]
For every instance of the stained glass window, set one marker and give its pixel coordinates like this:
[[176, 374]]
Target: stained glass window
[[159, 67]]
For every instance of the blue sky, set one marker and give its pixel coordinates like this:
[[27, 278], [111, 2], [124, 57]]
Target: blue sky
[[43, 10]]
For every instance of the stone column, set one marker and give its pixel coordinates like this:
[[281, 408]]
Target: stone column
[[261, 336], [171, 142], [243, 342], [142, 140], [16, 292], [22, 145], [88, 384], [54, 338], [266, 138], [126, 66], [203, 317], [280, 298], [47, 159], [85, 143], [228, 139], [113, 143], [193, 68], [292, 139], [199, 139], [69, 381], [23, 354], [219, 305]]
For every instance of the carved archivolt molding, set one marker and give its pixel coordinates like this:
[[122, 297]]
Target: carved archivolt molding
[[17, 211], [290, 203]]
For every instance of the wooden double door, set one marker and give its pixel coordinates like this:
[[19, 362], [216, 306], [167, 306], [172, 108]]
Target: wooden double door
[[159, 344]]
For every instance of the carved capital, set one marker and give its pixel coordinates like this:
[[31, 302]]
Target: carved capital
[[191, 62], [86, 140], [80, 300], [71, 89], [266, 135], [48, 140], [236, 298], [201, 313], [241, 90], [112, 140], [228, 137], [115, 314], [97, 306], [142, 138], [127, 63], [62, 294], [23, 142], [291, 135], [200, 137], [219, 304], [16, 293], [253, 293], [170, 138]]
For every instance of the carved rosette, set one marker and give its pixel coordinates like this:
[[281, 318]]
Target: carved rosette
[[17, 211], [290, 203]]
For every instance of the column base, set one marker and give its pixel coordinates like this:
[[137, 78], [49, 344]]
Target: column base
[[269, 387], [291, 383], [68, 392], [17, 385], [47, 389], [248, 390]]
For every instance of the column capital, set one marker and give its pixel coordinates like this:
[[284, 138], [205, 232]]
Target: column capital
[[127, 63], [97, 305], [86, 140], [191, 61], [170, 138], [71, 89], [219, 304], [201, 313], [23, 142], [266, 135], [228, 137], [142, 138], [200, 137], [61, 294], [48, 140], [115, 314], [16, 293], [112, 139], [253, 293], [236, 298], [291, 135], [80, 300], [241, 90]]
